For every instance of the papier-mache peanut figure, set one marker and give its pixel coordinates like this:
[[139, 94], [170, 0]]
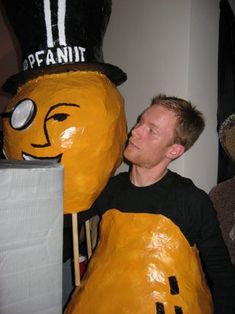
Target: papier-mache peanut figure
[[65, 104]]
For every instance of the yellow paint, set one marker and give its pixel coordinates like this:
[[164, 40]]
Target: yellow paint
[[90, 138], [129, 270]]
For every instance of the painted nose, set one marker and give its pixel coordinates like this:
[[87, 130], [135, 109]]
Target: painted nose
[[44, 139]]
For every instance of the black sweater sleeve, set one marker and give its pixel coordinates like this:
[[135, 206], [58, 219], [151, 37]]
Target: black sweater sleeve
[[100, 205]]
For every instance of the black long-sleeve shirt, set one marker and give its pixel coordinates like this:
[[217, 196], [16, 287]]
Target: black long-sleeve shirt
[[188, 207]]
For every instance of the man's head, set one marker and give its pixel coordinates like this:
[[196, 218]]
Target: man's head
[[164, 131], [190, 121]]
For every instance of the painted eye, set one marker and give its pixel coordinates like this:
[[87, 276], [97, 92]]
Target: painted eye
[[59, 117], [23, 114]]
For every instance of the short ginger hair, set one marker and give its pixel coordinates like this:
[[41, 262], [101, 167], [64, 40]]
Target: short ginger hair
[[190, 121]]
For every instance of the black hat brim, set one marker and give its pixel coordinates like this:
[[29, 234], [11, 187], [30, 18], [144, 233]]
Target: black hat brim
[[114, 73]]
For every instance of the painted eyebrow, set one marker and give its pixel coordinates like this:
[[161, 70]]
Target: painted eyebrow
[[63, 104], [60, 105]]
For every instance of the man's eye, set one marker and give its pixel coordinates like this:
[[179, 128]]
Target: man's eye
[[152, 131], [140, 122], [59, 116]]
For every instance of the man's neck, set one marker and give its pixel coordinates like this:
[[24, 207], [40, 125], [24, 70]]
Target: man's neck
[[143, 177]]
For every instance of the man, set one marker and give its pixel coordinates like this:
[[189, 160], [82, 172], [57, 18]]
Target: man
[[154, 223]]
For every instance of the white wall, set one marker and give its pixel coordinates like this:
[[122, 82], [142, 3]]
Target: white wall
[[169, 46]]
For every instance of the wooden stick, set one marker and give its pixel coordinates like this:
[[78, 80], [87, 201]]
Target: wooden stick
[[88, 239], [76, 249]]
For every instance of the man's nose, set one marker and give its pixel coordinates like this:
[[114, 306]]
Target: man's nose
[[138, 129]]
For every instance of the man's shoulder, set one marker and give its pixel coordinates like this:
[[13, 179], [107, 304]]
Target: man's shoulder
[[182, 181], [187, 186]]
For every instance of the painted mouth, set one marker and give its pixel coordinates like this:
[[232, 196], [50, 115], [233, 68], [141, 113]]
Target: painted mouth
[[31, 157]]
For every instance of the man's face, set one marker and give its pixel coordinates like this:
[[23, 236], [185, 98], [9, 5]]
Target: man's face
[[76, 118], [152, 138]]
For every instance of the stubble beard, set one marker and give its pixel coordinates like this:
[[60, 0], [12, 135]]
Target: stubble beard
[[134, 158]]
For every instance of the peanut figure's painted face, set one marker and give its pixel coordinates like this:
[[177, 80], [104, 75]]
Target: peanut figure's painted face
[[76, 118]]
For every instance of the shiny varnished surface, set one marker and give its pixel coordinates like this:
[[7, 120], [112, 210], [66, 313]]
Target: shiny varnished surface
[[76, 118], [143, 264]]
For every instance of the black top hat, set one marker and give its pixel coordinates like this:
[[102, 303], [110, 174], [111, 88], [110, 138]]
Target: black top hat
[[58, 36]]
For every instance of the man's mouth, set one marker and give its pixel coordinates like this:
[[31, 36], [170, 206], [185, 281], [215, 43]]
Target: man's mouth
[[132, 144], [31, 157]]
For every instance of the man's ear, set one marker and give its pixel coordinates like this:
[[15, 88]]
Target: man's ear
[[175, 151]]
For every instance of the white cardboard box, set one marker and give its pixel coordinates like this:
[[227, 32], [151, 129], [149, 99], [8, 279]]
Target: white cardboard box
[[31, 235]]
